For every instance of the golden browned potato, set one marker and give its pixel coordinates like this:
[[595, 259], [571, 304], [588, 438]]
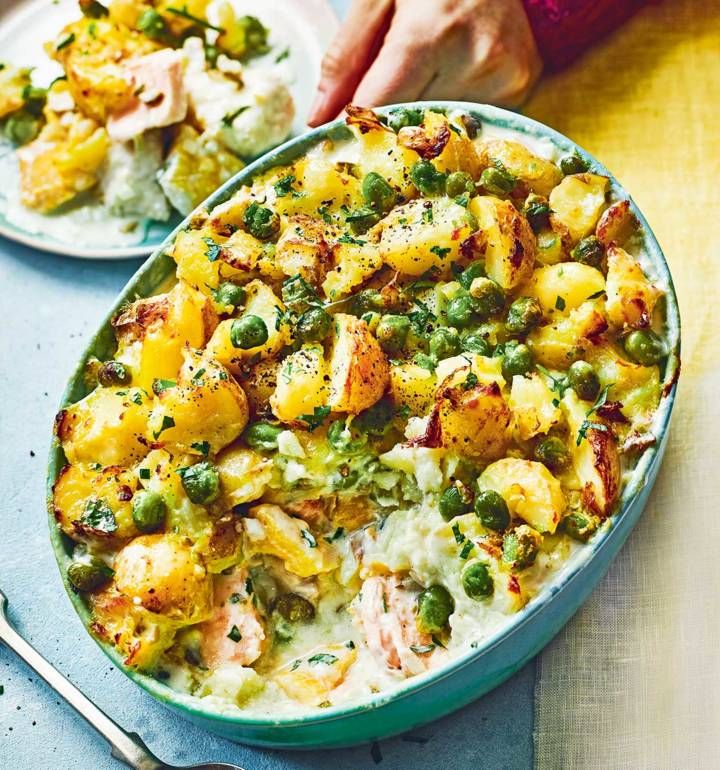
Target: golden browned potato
[[531, 403], [303, 383], [539, 174], [13, 81], [578, 201], [572, 282], [244, 475], [631, 297], [352, 264], [473, 419], [164, 576], [595, 458], [153, 333], [107, 427], [531, 492], [359, 370], [423, 234], [511, 247], [206, 406], [304, 249], [569, 337], [95, 504], [412, 386], [311, 679], [616, 224]]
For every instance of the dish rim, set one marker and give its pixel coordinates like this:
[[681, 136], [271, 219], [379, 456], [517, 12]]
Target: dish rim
[[568, 573]]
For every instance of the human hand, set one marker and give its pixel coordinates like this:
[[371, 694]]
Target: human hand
[[401, 50]]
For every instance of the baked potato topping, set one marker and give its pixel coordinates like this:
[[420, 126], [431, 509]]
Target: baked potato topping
[[369, 420]]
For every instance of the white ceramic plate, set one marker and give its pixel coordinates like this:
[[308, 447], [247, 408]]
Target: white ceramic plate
[[302, 27]]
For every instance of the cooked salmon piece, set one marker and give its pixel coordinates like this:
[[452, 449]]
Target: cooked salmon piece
[[159, 95], [235, 633], [386, 613]]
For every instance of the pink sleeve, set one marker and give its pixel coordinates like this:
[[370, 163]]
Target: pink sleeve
[[563, 29]]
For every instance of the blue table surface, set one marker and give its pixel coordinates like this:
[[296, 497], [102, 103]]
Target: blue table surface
[[51, 306]]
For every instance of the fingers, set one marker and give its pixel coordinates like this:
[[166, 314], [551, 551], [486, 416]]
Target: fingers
[[400, 73], [348, 57]]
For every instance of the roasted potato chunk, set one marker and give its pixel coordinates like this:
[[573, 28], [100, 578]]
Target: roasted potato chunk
[[540, 175], [565, 286], [359, 370], [303, 249], [578, 201], [631, 297], [302, 384]]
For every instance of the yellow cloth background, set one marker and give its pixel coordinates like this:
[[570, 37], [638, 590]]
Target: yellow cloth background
[[634, 680]]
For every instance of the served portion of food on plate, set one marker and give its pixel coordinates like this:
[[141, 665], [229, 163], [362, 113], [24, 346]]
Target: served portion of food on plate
[[392, 389], [154, 111]]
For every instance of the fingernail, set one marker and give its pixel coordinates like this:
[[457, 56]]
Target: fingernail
[[318, 109]]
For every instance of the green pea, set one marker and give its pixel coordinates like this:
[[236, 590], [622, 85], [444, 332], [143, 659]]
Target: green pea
[[21, 128], [460, 311], [113, 373], [294, 608], [264, 585], [152, 24], [229, 293], [366, 301], [580, 526], [35, 99], [488, 297], [340, 439], [314, 325], [521, 547], [518, 359], [263, 435], [583, 380], [573, 164], [492, 510], [497, 181], [645, 347], [248, 332], [427, 178], [261, 222], [459, 183], [201, 483], [552, 452], [392, 332], [454, 501], [404, 116], [477, 582], [362, 219], [524, 314], [470, 273], [376, 421], [89, 576], [444, 343], [537, 212], [377, 193], [474, 342], [148, 510], [589, 251], [434, 607]]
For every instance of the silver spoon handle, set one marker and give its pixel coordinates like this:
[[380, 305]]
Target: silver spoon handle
[[127, 747]]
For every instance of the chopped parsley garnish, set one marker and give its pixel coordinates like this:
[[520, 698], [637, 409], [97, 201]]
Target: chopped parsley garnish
[[420, 318], [167, 422], [347, 238], [470, 381], [587, 423], [350, 644], [284, 186], [441, 252], [459, 537], [308, 537], [322, 657], [213, 249], [98, 515], [144, 473], [422, 649], [136, 398], [201, 446], [234, 598], [336, 535], [315, 420], [185, 14], [324, 213], [282, 55], [597, 294], [159, 386], [65, 42], [463, 200], [427, 215], [229, 118], [235, 634], [559, 303], [467, 549], [198, 374], [558, 384]]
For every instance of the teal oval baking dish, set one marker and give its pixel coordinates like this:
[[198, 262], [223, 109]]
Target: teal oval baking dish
[[469, 676]]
